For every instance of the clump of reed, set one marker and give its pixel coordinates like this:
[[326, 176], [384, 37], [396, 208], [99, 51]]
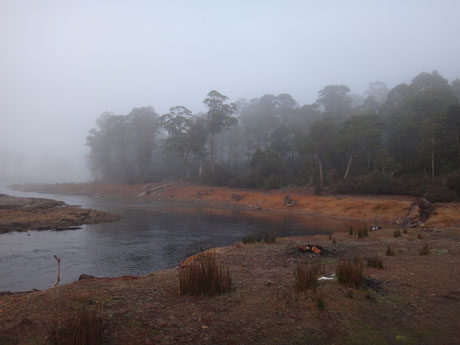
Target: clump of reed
[[267, 237], [350, 272], [397, 233], [306, 275], [205, 275], [363, 232], [84, 326]]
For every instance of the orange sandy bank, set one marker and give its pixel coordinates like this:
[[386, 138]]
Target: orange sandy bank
[[376, 208]]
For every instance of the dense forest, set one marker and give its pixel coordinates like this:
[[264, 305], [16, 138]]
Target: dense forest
[[399, 141]]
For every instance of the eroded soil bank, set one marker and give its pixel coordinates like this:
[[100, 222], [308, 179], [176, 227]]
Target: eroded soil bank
[[23, 214], [386, 209]]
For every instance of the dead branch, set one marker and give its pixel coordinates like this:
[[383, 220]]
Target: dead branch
[[58, 271]]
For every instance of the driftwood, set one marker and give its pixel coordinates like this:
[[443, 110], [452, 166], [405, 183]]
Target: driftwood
[[419, 212], [149, 190], [288, 201], [58, 271]]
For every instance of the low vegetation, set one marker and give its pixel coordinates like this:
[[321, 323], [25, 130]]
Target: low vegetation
[[390, 252], [204, 275], [84, 326], [267, 237], [375, 262], [425, 250], [350, 272], [397, 233], [306, 275]]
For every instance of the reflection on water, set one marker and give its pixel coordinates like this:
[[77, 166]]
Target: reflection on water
[[146, 239]]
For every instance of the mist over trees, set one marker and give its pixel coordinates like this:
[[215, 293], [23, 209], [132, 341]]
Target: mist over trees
[[403, 140]]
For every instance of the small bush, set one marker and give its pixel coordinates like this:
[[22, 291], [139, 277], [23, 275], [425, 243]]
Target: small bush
[[419, 236], [274, 182], [82, 327], [306, 275], [350, 272], [320, 303], [453, 182], [390, 251], [397, 233], [375, 262], [425, 250], [405, 231], [439, 193], [204, 276]]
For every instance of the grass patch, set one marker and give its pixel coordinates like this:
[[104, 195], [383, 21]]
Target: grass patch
[[350, 231], [375, 262], [205, 275], [405, 231], [397, 233], [350, 272], [267, 237], [425, 250], [419, 236], [251, 239], [390, 251], [84, 326], [306, 275]]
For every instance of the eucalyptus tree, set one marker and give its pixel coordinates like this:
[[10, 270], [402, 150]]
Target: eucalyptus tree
[[218, 118]]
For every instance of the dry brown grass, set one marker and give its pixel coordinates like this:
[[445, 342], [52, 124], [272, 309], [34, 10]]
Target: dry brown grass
[[350, 272], [390, 252], [306, 275], [84, 326], [205, 275], [375, 262], [425, 250]]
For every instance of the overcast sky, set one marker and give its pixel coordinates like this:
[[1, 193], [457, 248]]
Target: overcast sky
[[63, 63]]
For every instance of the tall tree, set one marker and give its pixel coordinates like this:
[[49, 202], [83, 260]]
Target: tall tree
[[219, 118], [334, 99]]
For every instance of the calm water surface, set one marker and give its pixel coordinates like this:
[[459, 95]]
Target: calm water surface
[[148, 238]]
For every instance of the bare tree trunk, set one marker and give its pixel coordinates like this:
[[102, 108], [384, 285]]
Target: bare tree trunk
[[200, 169], [184, 166], [320, 170], [58, 271], [348, 166], [212, 153], [432, 158]]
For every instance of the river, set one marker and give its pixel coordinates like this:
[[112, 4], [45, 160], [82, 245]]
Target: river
[[149, 237]]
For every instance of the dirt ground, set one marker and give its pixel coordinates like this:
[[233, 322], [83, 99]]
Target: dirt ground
[[23, 214], [413, 300]]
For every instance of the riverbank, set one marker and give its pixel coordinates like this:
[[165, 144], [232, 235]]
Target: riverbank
[[389, 210], [23, 214], [414, 299]]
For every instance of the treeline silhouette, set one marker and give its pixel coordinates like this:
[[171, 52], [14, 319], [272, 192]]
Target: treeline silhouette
[[400, 141]]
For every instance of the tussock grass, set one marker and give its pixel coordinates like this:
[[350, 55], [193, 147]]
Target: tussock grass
[[397, 233], [350, 272], [306, 275], [84, 326], [320, 303], [363, 232], [205, 275], [268, 237]]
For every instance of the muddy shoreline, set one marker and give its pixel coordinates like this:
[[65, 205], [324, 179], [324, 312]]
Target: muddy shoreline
[[24, 214]]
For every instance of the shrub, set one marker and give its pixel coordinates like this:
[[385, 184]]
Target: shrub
[[306, 275], [453, 182], [82, 327], [397, 233], [425, 250], [405, 231], [375, 262], [221, 177], [419, 236], [390, 251], [350, 272], [273, 182], [204, 276], [439, 193], [250, 239]]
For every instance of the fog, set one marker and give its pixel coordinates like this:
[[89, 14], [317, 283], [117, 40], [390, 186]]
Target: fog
[[64, 63]]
